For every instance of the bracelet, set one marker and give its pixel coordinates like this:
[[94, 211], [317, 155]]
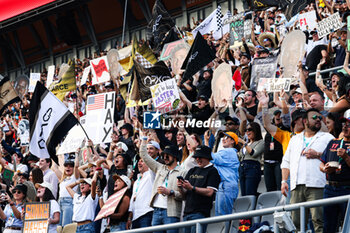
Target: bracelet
[[283, 182], [144, 138], [194, 188]]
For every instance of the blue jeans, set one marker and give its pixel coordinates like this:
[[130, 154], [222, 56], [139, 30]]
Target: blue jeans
[[272, 176], [225, 197], [160, 217], [66, 206], [143, 221], [193, 217], [249, 177], [120, 227], [331, 213], [86, 228]]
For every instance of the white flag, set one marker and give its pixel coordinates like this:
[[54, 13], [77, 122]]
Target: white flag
[[209, 24]]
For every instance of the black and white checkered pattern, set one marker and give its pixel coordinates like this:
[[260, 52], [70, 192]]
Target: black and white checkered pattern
[[219, 17], [143, 61]]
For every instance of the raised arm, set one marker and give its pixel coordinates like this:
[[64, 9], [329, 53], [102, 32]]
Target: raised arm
[[263, 100]]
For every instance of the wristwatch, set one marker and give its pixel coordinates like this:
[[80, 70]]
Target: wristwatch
[[172, 193]]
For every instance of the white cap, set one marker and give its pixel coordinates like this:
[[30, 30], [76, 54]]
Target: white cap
[[154, 144], [45, 185], [123, 146], [124, 178], [87, 180]]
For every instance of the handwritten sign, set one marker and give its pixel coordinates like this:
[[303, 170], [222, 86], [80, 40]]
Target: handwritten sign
[[36, 216], [307, 21], [99, 70], [34, 77], [274, 84], [328, 25], [110, 205], [165, 96]]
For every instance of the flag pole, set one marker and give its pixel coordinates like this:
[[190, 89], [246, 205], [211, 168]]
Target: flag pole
[[126, 4], [87, 136]]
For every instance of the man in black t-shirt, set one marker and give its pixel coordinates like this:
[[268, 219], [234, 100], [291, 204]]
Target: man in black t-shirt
[[250, 104], [335, 162], [199, 187]]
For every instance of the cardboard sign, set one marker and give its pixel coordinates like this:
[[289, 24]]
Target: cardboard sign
[[7, 174], [99, 117], [86, 73], [21, 85], [165, 96], [307, 21], [168, 49], [34, 77], [274, 84], [100, 70], [263, 68], [348, 34], [240, 29], [84, 154], [23, 132], [110, 205], [36, 216], [328, 25], [50, 74], [222, 85]]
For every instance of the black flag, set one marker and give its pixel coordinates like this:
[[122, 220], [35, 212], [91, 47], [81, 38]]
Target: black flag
[[160, 24], [8, 95], [49, 122], [144, 78], [295, 7], [199, 56]]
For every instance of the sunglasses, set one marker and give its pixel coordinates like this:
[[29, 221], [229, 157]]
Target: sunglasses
[[17, 191], [345, 125], [231, 123], [317, 117], [249, 129]]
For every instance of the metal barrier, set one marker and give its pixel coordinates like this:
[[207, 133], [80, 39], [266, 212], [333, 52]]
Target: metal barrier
[[291, 207], [327, 70]]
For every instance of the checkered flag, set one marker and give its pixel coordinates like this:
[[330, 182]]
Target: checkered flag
[[143, 61], [219, 17]]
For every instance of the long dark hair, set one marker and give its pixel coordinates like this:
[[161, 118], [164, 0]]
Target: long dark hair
[[334, 116], [37, 176], [256, 130]]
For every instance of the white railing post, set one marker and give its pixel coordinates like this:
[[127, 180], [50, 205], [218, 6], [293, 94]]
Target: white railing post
[[302, 219], [199, 228]]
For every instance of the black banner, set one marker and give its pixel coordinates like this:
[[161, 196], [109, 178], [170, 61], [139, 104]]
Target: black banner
[[262, 68]]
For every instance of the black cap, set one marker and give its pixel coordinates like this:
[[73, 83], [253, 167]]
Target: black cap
[[22, 188], [203, 97], [69, 162], [264, 50], [305, 67], [172, 150], [297, 114], [203, 152], [24, 174], [276, 112], [234, 119], [313, 32], [245, 54]]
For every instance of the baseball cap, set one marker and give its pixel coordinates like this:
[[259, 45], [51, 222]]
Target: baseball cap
[[123, 146], [305, 67], [154, 144], [124, 178], [22, 188], [202, 151], [234, 119], [203, 97], [232, 135], [45, 185], [346, 116], [86, 180], [171, 150], [298, 90]]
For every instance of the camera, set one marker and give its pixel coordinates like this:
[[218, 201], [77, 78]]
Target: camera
[[2, 196]]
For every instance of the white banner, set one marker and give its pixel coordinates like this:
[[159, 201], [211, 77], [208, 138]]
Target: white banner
[[74, 139], [50, 74], [207, 26], [307, 21], [328, 25], [165, 96], [100, 117], [274, 84], [100, 70], [34, 77], [23, 132], [85, 75]]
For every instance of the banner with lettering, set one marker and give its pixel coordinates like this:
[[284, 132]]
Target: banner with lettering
[[274, 84], [110, 205], [100, 70], [99, 117], [262, 68], [307, 21], [165, 96], [36, 217], [328, 25]]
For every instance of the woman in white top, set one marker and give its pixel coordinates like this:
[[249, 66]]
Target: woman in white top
[[192, 141], [69, 176], [84, 204], [43, 194]]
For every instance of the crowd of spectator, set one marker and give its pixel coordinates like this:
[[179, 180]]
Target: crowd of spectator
[[297, 140]]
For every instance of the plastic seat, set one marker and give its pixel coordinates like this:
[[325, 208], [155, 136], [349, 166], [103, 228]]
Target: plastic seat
[[70, 228], [242, 204], [266, 200]]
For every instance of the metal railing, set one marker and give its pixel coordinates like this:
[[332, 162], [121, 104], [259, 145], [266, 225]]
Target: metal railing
[[327, 70], [249, 214]]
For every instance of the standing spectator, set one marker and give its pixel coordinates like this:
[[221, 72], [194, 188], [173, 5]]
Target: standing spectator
[[199, 187], [250, 157], [250, 104], [166, 198], [140, 213], [13, 210], [84, 204], [49, 175], [45, 194], [335, 162], [301, 162]]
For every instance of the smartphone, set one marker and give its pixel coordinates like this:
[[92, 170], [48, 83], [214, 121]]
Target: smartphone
[[180, 178]]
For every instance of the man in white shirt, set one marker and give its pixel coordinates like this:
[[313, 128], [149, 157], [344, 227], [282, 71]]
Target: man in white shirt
[[302, 161], [140, 213], [49, 175]]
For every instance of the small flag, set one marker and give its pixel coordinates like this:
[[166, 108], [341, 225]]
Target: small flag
[[96, 102]]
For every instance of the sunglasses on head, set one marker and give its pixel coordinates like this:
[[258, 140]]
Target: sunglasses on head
[[317, 117], [249, 129]]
